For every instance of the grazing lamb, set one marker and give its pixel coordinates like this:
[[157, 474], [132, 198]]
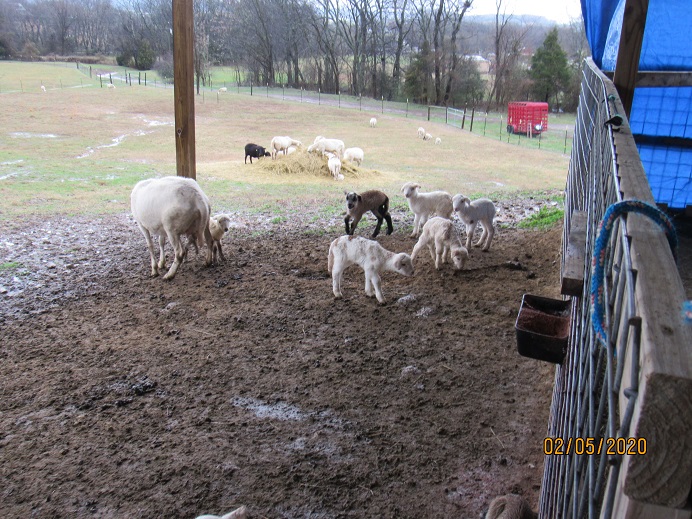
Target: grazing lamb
[[373, 259], [472, 213], [279, 144], [334, 165], [441, 239], [438, 141], [373, 122], [425, 205], [375, 201], [223, 89], [322, 145], [421, 132], [239, 513], [253, 150], [171, 207], [111, 85], [43, 89], [427, 137], [218, 226], [510, 506], [354, 155]]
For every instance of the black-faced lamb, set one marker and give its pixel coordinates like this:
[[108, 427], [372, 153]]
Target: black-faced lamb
[[442, 241], [253, 150], [357, 205], [425, 205], [282, 143], [373, 259], [471, 214], [355, 155], [171, 207]]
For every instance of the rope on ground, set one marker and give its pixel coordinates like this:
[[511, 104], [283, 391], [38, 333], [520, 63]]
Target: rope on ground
[[599, 254]]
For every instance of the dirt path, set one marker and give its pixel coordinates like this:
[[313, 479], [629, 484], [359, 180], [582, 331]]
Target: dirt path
[[248, 384]]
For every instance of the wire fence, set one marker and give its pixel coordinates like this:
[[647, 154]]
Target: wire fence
[[597, 389]]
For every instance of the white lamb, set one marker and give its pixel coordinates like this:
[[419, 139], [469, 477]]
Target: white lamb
[[472, 213], [427, 137], [334, 165], [442, 240], [281, 144], [322, 145], [438, 141], [218, 226], [223, 89], [43, 89], [373, 259], [111, 85], [425, 205], [354, 155], [171, 207], [421, 132], [373, 122]]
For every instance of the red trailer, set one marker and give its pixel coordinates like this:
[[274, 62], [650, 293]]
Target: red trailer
[[527, 117]]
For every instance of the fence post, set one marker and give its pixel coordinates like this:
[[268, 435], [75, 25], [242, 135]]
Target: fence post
[[89, 70], [382, 104], [360, 101], [463, 119], [251, 87], [110, 76], [145, 79], [319, 97], [428, 112], [407, 107], [500, 127], [485, 124], [101, 80], [473, 112], [283, 92], [267, 89], [301, 94], [239, 87], [447, 115]]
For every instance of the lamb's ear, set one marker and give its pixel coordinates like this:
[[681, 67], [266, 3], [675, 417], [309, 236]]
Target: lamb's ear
[[360, 198], [345, 192]]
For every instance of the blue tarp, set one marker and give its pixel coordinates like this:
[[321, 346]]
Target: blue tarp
[[656, 112]]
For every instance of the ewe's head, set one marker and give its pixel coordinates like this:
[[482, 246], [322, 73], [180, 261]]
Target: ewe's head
[[459, 201], [403, 264], [409, 189], [352, 199]]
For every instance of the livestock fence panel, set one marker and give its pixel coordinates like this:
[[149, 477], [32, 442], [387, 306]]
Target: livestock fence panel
[[621, 413]]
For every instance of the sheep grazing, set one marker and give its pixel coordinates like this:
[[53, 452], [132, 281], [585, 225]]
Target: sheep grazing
[[43, 89], [223, 89], [427, 137], [425, 205], [373, 259], [239, 513], [322, 145], [438, 141], [354, 155], [334, 165], [111, 85], [253, 150], [357, 205], [281, 144], [472, 213], [441, 239], [171, 207], [421, 132], [218, 226], [510, 506], [373, 122]]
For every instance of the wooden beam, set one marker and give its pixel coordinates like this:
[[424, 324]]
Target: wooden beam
[[627, 65], [575, 256], [660, 78], [184, 93]]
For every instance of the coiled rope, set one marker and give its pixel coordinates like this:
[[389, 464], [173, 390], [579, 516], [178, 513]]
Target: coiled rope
[[599, 255]]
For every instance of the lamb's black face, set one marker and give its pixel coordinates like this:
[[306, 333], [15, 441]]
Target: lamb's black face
[[351, 200]]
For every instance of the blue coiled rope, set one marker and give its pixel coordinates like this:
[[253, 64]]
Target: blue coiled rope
[[599, 256]]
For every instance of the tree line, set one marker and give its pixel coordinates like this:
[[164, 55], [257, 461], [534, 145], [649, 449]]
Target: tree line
[[428, 51]]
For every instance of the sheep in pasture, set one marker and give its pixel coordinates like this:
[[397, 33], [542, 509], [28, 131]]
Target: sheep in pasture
[[471, 214], [111, 85], [438, 141], [373, 122], [427, 137], [510, 506], [223, 89], [171, 207], [322, 145], [43, 89], [239, 513], [279, 144], [425, 205], [373, 259], [441, 239], [354, 155], [357, 205], [421, 132], [218, 226], [253, 150], [334, 165]]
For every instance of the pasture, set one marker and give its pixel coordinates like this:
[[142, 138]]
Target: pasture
[[246, 383]]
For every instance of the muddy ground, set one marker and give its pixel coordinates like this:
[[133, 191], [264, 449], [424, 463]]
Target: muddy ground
[[248, 384]]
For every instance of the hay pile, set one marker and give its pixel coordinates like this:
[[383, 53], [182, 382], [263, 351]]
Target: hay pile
[[302, 163]]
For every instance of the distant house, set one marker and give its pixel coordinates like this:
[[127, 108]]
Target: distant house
[[482, 64]]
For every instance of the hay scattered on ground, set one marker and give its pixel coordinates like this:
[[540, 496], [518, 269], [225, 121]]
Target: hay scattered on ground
[[302, 163]]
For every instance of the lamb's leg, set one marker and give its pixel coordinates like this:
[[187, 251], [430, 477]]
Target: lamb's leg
[[470, 230], [337, 271], [379, 224], [354, 223], [490, 232], [375, 280], [390, 227], [368, 283], [218, 244], [416, 249], [346, 223], [210, 246], [416, 220], [152, 255]]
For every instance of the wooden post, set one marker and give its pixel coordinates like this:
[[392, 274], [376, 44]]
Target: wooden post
[[629, 51], [183, 88]]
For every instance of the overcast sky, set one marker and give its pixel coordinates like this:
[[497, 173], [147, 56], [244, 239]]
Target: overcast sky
[[559, 10]]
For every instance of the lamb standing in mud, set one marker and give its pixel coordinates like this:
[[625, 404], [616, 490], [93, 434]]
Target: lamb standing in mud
[[371, 256]]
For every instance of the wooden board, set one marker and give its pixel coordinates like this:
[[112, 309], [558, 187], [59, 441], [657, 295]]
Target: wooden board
[[575, 256]]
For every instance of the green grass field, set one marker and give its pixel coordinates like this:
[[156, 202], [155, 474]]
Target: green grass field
[[80, 148]]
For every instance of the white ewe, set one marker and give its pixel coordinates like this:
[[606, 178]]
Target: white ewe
[[223, 89], [171, 207], [421, 132], [281, 144], [425, 205], [373, 122], [111, 85], [472, 213], [442, 240], [354, 155], [322, 145]]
